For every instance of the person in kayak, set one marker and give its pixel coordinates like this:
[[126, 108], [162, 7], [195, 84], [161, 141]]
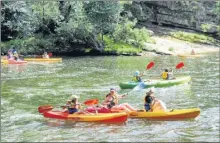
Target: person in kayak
[[15, 55], [152, 104], [10, 54], [137, 76], [170, 74], [111, 102], [73, 105], [165, 75], [193, 52], [45, 55]]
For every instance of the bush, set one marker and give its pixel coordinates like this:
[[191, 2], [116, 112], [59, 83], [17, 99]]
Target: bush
[[192, 37], [171, 49], [126, 32], [31, 45], [119, 47]]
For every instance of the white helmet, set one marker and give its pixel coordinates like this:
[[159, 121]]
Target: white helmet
[[136, 73]]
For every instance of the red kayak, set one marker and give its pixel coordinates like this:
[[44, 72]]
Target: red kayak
[[83, 117], [13, 62]]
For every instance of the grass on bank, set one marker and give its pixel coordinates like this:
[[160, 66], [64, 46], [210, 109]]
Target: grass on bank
[[193, 37], [119, 47]]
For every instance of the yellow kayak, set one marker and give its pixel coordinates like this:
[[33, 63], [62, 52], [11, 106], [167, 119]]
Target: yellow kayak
[[43, 59], [192, 56], [176, 114]]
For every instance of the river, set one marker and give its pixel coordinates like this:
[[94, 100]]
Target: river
[[25, 87]]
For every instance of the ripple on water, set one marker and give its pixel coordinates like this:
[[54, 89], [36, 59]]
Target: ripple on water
[[91, 77]]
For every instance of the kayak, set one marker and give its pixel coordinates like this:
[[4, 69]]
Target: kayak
[[156, 82], [192, 56], [13, 62], [120, 115], [43, 59], [97, 117], [175, 114]]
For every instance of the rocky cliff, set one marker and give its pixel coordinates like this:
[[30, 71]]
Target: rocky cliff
[[202, 16]]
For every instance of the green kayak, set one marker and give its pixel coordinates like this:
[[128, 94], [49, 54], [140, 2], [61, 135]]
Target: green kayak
[[156, 82]]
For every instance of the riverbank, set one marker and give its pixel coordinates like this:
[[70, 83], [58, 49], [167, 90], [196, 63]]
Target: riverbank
[[167, 44], [172, 46]]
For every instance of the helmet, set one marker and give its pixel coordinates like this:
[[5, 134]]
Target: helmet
[[136, 73]]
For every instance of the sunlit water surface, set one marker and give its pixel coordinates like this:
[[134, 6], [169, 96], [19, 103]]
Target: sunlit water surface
[[25, 87]]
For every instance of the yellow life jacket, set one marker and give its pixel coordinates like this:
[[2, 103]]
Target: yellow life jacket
[[134, 78], [165, 75]]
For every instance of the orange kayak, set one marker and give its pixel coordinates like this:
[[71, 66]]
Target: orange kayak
[[13, 62], [90, 117]]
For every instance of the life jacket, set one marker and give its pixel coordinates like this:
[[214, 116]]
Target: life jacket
[[113, 101], [164, 75], [158, 106], [136, 79]]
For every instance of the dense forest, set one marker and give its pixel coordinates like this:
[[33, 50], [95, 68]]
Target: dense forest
[[68, 27]]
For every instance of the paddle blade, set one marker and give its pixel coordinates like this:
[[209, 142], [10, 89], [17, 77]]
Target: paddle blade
[[91, 102], [180, 65], [45, 108], [140, 86], [150, 65]]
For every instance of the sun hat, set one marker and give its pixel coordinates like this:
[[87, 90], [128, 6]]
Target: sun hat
[[73, 97], [112, 89]]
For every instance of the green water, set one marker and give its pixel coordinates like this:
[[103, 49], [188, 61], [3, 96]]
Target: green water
[[25, 87]]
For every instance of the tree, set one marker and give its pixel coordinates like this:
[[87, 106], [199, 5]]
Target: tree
[[15, 20], [104, 15], [75, 27], [46, 15]]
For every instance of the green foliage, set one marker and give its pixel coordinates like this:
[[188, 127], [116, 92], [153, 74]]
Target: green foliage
[[217, 8], [104, 15], [46, 10], [16, 20], [28, 45], [192, 37], [77, 29], [126, 32], [205, 27], [119, 47], [171, 49]]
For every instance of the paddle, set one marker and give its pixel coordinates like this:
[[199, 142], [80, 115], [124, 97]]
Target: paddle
[[179, 65], [91, 102], [45, 108], [150, 65]]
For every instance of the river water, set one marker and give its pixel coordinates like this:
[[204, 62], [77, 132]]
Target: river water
[[25, 87]]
